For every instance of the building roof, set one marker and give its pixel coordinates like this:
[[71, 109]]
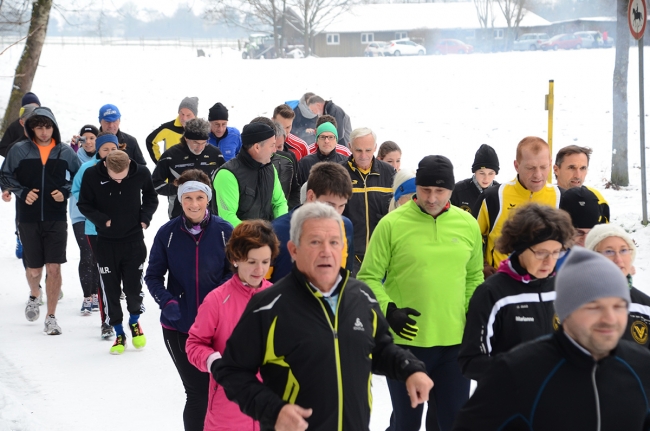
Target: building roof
[[414, 16]]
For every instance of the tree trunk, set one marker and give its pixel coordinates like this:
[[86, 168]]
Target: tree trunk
[[619, 131], [306, 29], [26, 69]]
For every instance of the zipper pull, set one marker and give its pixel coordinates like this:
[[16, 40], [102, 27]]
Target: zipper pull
[[336, 335]]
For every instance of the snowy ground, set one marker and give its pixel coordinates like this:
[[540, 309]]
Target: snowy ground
[[429, 105]]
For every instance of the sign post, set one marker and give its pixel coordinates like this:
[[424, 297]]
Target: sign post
[[549, 105], [637, 16]]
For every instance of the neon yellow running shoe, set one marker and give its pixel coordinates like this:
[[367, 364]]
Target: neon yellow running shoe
[[139, 339], [119, 345]]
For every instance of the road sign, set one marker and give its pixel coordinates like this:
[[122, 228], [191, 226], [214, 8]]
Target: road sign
[[637, 16]]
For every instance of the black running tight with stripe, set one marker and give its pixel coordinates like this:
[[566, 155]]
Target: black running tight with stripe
[[88, 273]]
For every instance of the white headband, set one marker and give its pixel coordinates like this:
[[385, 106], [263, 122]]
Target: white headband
[[194, 186]]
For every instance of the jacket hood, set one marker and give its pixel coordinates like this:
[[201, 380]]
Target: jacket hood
[[45, 112], [304, 109]]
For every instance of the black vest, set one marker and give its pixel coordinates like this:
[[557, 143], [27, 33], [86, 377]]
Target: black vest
[[256, 183]]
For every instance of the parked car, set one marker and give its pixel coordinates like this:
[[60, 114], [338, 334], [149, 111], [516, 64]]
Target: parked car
[[452, 46], [404, 47], [375, 49], [529, 41], [562, 41], [609, 42], [590, 39]]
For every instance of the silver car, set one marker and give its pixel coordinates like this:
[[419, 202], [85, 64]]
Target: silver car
[[590, 39], [529, 41]]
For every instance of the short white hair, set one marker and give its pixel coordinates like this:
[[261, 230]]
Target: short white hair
[[360, 133], [310, 211]]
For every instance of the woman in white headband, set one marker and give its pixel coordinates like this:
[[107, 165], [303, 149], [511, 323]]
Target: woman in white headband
[[190, 250]]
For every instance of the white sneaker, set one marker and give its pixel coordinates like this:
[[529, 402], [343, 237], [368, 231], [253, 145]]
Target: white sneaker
[[86, 307], [51, 326], [32, 310], [95, 305]]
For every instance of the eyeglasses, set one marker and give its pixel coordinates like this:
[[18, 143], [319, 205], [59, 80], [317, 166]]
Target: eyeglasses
[[326, 138], [612, 253], [543, 254]]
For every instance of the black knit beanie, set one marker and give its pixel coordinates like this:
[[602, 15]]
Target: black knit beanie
[[582, 205], [254, 133], [487, 158], [435, 171], [89, 128], [218, 112]]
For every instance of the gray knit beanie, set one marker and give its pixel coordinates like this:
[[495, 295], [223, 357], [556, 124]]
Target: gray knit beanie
[[584, 277], [191, 103]]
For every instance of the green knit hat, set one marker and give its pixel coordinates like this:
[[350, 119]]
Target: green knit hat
[[327, 127]]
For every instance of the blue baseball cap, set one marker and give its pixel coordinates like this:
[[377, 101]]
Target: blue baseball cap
[[109, 113]]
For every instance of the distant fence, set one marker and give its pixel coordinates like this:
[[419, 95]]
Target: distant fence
[[118, 41]]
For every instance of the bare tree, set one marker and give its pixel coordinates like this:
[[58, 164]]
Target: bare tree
[[26, 69], [319, 13], [268, 13], [484, 12], [13, 15], [619, 131], [513, 11]]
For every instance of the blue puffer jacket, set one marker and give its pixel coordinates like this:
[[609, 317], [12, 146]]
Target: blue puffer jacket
[[194, 267], [76, 187], [229, 144], [75, 214]]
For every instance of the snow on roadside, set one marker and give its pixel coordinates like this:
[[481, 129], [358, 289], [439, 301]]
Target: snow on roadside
[[429, 105]]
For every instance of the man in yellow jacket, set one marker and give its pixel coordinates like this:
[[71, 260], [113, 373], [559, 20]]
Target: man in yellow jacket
[[169, 133], [532, 164]]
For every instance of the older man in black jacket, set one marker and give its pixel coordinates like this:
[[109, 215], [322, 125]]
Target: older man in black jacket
[[583, 377], [316, 337]]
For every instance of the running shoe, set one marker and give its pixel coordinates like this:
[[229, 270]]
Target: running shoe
[[51, 326], [95, 304], [107, 331], [32, 310], [86, 307], [139, 340], [119, 345]]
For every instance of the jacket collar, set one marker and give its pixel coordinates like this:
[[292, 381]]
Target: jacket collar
[[343, 278], [354, 168], [524, 192], [574, 353], [248, 160], [326, 158], [245, 289]]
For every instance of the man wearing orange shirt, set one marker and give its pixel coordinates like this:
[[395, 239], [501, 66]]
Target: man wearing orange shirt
[[39, 170]]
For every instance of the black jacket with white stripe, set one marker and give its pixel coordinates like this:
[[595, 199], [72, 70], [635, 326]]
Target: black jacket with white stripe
[[638, 323], [311, 356], [506, 310], [554, 384]]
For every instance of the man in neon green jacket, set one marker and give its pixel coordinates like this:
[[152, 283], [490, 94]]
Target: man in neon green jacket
[[247, 186], [430, 255]]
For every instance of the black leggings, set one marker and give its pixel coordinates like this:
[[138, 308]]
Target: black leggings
[[196, 383], [88, 274]]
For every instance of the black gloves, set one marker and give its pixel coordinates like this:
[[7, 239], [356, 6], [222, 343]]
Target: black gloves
[[400, 322]]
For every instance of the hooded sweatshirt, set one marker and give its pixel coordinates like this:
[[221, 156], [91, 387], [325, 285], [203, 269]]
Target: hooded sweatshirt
[[24, 171]]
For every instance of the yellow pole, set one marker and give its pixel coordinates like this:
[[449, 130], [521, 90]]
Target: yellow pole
[[550, 101]]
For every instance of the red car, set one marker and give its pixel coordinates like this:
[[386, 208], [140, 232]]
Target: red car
[[452, 46], [562, 41]]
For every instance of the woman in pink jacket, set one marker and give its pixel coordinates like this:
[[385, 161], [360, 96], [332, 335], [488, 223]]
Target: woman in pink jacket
[[250, 250]]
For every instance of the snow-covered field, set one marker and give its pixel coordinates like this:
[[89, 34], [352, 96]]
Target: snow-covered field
[[429, 105]]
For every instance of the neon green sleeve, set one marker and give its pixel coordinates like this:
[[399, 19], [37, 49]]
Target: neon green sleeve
[[376, 262], [278, 201], [474, 268], [227, 195]]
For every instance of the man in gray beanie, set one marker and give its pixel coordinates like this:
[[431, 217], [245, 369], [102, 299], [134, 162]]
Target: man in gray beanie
[[169, 134], [581, 377]]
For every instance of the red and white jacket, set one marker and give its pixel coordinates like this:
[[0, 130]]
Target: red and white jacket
[[297, 146], [215, 321]]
